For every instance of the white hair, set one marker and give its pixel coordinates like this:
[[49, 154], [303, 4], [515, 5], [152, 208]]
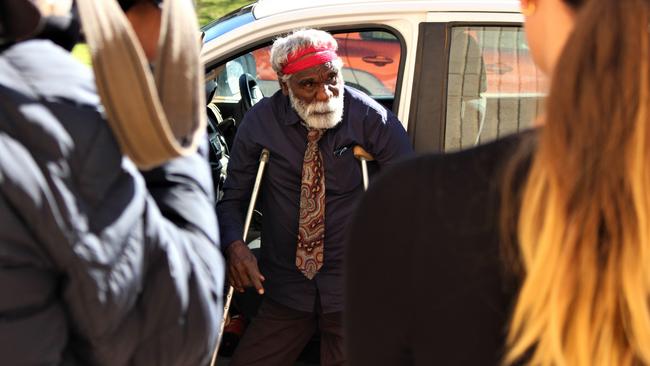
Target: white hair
[[299, 40]]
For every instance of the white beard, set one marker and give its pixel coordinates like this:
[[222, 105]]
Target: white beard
[[319, 115]]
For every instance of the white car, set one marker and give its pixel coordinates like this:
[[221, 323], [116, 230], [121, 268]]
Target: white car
[[456, 73]]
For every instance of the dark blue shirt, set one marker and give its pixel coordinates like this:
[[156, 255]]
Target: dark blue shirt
[[273, 124]]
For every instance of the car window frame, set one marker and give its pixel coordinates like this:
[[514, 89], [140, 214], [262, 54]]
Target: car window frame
[[363, 27]]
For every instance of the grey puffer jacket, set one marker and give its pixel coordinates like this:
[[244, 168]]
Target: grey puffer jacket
[[99, 263]]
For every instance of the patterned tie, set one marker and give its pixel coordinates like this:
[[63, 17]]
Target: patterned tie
[[311, 224]]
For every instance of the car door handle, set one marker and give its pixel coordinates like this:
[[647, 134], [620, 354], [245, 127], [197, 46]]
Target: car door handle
[[378, 60]]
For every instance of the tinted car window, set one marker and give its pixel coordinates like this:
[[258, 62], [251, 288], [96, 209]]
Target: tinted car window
[[494, 89], [371, 61]]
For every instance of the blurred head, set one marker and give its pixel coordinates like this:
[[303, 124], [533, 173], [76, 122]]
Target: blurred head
[[19, 19], [55, 20], [548, 24], [58, 21], [583, 229], [145, 18], [309, 72]]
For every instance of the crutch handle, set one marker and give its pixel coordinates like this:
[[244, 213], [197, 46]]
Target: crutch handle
[[363, 156], [361, 153], [264, 157]]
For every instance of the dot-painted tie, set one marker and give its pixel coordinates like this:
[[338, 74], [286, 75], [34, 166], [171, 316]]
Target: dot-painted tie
[[311, 224]]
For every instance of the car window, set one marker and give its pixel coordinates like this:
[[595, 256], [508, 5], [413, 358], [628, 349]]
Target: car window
[[493, 87], [228, 79], [370, 63]]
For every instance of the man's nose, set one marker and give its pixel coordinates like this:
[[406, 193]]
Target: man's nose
[[323, 94]]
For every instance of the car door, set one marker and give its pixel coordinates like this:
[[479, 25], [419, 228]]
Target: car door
[[475, 82]]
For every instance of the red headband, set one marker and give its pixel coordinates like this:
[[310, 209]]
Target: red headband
[[296, 63]]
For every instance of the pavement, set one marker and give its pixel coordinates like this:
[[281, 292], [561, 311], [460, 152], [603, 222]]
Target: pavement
[[309, 356]]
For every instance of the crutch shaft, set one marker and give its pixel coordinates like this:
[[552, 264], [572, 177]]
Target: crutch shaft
[[264, 158], [364, 172], [226, 308]]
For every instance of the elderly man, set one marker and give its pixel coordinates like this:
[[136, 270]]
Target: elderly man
[[308, 193]]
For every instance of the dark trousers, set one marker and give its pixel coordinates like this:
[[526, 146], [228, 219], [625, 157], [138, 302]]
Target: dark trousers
[[278, 334]]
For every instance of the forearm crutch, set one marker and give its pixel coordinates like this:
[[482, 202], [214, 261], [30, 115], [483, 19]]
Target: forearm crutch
[[264, 158], [363, 156]]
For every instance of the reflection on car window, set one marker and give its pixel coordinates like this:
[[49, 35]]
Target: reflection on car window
[[234, 70], [378, 36], [493, 88], [371, 61], [228, 79]]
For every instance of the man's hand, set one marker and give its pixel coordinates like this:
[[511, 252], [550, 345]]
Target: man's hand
[[242, 268]]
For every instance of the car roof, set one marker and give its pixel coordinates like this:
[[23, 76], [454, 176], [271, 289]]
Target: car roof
[[266, 8], [269, 8]]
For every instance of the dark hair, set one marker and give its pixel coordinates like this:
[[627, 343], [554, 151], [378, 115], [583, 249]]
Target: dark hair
[[575, 4], [18, 20], [127, 4]]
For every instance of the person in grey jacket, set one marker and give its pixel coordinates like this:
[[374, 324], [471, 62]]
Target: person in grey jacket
[[99, 263]]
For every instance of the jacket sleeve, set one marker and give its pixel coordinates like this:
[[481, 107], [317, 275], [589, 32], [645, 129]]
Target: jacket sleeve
[[184, 221], [386, 138]]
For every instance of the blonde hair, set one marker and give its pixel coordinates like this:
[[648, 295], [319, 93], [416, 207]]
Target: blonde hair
[[583, 229]]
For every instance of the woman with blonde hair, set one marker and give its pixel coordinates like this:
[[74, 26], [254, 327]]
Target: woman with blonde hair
[[534, 249]]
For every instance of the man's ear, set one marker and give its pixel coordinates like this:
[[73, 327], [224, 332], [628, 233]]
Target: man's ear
[[283, 85]]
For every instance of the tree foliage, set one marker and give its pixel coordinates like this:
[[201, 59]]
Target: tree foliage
[[209, 10]]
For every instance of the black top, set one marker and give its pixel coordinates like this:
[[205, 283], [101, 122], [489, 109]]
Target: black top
[[426, 284], [273, 124]]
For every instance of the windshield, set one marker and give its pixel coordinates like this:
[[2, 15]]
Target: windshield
[[227, 23]]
